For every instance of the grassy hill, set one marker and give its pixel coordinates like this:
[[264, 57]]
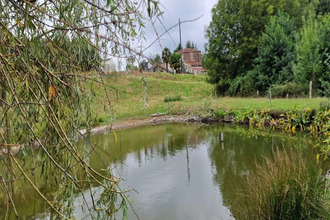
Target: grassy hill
[[126, 93]]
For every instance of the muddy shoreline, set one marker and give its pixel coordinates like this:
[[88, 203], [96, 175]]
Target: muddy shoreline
[[154, 120]]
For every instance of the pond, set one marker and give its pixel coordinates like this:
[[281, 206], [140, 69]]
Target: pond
[[177, 171]]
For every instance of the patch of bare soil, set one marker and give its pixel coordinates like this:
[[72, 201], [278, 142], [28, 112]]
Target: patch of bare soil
[[132, 123]]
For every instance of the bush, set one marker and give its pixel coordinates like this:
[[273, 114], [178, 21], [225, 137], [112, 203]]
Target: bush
[[324, 87], [205, 110], [290, 89], [242, 85], [219, 113], [286, 187], [325, 105], [173, 98]]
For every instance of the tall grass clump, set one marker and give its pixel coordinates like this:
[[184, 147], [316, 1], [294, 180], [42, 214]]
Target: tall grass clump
[[285, 187], [172, 98]]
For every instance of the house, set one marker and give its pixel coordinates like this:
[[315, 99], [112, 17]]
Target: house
[[192, 61], [109, 66]]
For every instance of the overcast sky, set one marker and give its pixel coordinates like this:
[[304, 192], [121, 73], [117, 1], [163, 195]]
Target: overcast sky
[[185, 10]]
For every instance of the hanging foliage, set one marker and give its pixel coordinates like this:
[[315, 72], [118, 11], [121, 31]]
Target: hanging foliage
[[45, 49]]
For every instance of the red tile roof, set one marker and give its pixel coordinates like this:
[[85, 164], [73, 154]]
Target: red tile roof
[[187, 50]]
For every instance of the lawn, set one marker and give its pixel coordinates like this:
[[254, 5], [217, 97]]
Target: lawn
[[127, 95], [262, 103]]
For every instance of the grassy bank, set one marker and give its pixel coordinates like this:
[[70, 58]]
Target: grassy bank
[[127, 92], [141, 95]]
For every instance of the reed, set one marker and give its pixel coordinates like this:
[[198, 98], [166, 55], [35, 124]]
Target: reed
[[286, 187]]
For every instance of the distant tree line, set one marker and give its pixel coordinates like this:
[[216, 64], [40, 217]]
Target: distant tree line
[[254, 44]]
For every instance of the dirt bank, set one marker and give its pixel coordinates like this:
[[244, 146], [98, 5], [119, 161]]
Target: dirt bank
[[155, 119], [131, 123]]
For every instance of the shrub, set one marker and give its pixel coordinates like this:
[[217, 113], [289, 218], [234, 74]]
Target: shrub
[[325, 105], [173, 98], [286, 187], [219, 113], [290, 89], [321, 122], [297, 118], [205, 110], [325, 150], [242, 85]]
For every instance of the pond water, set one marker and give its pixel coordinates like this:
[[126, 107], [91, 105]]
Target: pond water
[[177, 171]]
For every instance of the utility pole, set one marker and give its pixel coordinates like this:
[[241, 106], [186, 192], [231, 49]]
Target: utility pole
[[181, 46]]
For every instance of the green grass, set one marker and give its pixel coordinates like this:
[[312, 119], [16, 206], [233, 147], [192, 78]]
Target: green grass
[[262, 103], [193, 90], [286, 187], [172, 98]]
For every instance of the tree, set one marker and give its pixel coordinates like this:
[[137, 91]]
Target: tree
[[178, 48], [224, 56], [45, 47], [175, 61], [191, 44], [308, 67], [157, 59], [313, 54], [324, 33], [188, 44], [166, 57], [323, 7], [276, 53], [234, 32]]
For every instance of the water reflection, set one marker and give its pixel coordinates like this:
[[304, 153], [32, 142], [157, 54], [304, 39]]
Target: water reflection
[[177, 171]]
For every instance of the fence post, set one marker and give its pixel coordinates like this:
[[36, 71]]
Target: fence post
[[216, 97], [270, 96], [310, 89]]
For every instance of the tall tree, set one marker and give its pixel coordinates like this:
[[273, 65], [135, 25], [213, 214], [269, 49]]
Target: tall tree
[[313, 60], [188, 44], [178, 48], [175, 61], [166, 57], [323, 7], [324, 34], [276, 53], [191, 44], [234, 32], [157, 59], [308, 67]]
